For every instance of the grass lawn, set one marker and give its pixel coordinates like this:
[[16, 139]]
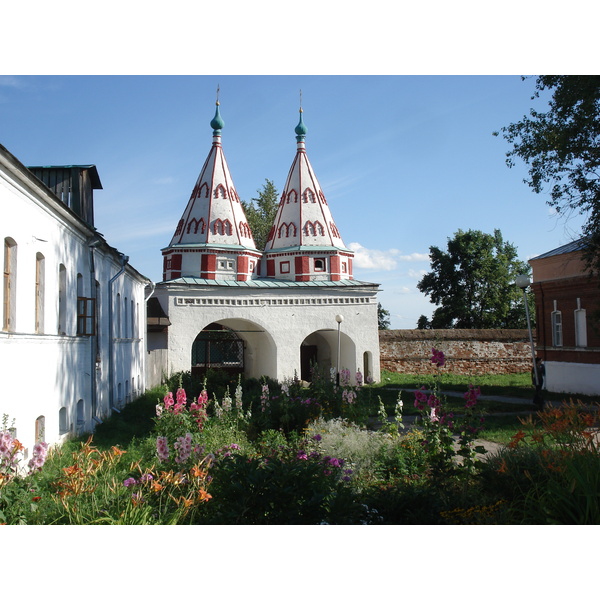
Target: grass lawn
[[503, 419]]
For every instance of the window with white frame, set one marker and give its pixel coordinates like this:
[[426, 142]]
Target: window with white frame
[[39, 292], [580, 326], [10, 284], [556, 320]]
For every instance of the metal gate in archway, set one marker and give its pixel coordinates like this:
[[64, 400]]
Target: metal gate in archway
[[217, 347]]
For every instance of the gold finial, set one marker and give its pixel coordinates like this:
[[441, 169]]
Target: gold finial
[[218, 95]]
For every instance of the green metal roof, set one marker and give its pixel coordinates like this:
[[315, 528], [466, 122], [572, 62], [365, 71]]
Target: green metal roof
[[266, 283]]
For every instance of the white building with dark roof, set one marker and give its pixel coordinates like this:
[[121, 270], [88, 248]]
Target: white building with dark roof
[[275, 313], [72, 341]]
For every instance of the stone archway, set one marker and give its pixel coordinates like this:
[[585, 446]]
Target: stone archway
[[237, 346], [217, 347], [320, 349]]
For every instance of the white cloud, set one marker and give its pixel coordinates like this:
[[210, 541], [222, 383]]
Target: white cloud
[[416, 274], [10, 81], [382, 260], [376, 260], [414, 257]]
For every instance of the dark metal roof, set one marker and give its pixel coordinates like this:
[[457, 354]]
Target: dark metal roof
[[580, 244], [93, 172]]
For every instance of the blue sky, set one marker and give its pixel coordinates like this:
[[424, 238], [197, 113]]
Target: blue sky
[[404, 161]]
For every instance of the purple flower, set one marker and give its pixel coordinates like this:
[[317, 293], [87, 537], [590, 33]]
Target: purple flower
[[317, 438], [438, 357], [129, 482], [162, 448]]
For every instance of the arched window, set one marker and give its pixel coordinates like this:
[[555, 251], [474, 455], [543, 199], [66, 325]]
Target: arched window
[[62, 300], [192, 224], [80, 413], [217, 347], [203, 190], [292, 196], [40, 280], [220, 191], [40, 429], [9, 285], [309, 196], [222, 227], [287, 230], [63, 422], [309, 228], [117, 332]]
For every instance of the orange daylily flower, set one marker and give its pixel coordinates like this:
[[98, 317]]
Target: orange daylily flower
[[196, 472], [203, 496]]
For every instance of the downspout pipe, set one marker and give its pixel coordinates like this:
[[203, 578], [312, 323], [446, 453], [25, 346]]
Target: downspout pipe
[[111, 337], [152, 287], [94, 338]]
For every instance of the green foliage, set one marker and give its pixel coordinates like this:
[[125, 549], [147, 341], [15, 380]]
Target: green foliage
[[562, 149], [383, 317], [261, 212], [472, 283], [331, 470]]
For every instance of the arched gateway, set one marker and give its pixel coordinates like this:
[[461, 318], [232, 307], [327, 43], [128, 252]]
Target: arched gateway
[[273, 312]]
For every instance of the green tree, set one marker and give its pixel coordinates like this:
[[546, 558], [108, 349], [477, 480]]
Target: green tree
[[473, 284], [562, 149], [383, 317], [261, 212]]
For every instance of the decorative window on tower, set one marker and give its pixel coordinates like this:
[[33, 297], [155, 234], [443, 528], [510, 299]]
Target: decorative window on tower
[[322, 197], [179, 227], [220, 191], [319, 264], [292, 196], [309, 228], [284, 267], [203, 190], [193, 226], [222, 227], [309, 196], [287, 230], [226, 265], [334, 229]]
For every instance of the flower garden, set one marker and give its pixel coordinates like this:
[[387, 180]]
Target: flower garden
[[267, 452]]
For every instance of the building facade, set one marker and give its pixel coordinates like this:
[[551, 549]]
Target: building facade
[[280, 312], [72, 342], [567, 301]]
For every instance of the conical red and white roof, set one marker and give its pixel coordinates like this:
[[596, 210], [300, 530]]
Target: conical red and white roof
[[303, 217], [214, 214]]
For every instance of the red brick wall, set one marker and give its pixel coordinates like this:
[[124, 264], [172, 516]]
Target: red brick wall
[[468, 351]]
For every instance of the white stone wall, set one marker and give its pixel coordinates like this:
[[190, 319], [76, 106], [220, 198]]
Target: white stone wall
[[273, 324], [573, 378], [62, 377]]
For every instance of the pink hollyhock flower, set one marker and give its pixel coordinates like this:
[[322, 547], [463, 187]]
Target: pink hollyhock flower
[[433, 401], [438, 357], [168, 400], [420, 398], [162, 448]]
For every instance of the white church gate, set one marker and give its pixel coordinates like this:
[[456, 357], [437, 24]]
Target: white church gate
[[217, 347]]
